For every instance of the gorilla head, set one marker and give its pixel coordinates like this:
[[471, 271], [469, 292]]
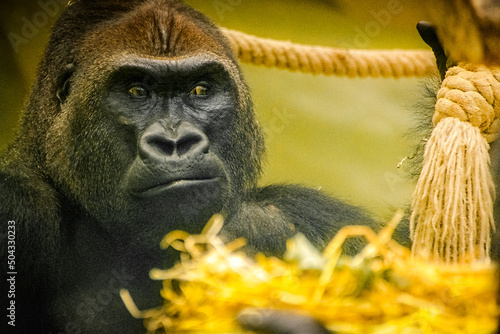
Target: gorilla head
[[144, 121]]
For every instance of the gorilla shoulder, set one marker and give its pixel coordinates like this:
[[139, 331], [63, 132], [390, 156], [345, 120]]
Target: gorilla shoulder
[[276, 213]]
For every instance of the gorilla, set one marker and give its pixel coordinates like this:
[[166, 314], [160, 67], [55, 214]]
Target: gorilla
[[139, 122]]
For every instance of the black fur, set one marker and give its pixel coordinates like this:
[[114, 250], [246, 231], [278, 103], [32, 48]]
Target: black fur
[[421, 127]]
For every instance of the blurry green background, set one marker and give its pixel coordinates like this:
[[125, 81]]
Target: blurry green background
[[343, 135]]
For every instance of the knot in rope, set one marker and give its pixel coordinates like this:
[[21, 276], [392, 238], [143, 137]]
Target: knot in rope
[[471, 93]]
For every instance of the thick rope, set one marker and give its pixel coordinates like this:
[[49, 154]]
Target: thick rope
[[452, 214], [331, 61], [471, 93]]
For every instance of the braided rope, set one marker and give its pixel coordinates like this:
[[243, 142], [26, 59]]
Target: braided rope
[[331, 61], [471, 93], [452, 208]]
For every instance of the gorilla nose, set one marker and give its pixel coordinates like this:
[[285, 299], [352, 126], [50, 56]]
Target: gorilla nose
[[160, 143]]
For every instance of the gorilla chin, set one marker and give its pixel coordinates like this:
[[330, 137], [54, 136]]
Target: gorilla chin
[[185, 193], [189, 203], [146, 180]]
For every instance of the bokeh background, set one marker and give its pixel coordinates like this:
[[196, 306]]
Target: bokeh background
[[344, 135]]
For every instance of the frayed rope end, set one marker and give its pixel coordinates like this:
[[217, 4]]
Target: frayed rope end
[[452, 212]]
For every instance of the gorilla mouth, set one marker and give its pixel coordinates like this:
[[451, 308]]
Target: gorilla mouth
[[175, 185]]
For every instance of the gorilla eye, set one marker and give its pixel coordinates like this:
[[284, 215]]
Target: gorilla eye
[[138, 91], [200, 90]]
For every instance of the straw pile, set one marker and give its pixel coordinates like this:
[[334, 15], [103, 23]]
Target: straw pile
[[381, 290]]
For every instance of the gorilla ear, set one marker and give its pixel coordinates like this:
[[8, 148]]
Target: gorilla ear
[[63, 83]]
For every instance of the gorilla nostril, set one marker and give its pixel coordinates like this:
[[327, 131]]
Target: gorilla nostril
[[189, 142], [157, 144], [162, 146]]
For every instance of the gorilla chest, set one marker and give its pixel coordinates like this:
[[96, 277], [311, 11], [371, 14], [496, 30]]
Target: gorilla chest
[[88, 283], [93, 304]]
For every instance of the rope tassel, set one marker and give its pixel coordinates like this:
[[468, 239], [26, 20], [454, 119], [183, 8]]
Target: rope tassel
[[452, 208]]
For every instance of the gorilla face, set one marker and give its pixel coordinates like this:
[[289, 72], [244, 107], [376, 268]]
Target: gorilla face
[[176, 116], [166, 158], [149, 141]]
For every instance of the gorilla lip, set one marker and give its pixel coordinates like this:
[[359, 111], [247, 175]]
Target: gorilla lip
[[174, 185]]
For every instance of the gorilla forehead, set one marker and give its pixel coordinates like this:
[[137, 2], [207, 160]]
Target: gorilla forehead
[[158, 29]]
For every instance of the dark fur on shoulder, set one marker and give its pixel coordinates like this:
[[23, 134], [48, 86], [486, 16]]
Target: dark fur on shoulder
[[421, 125], [419, 133], [295, 209]]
